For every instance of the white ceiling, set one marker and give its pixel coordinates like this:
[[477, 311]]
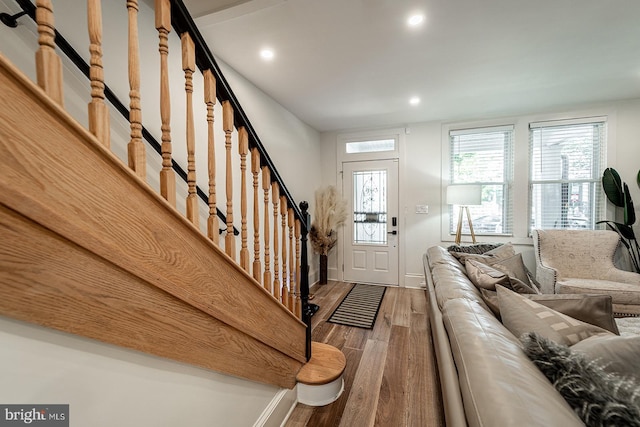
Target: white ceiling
[[343, 64]]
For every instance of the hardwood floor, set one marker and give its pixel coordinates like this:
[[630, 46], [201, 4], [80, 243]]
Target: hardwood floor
[[391, 376]]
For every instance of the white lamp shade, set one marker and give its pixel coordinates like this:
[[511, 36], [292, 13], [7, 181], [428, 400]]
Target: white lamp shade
[[464, 195]]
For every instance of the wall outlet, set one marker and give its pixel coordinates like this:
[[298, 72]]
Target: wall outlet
[[422, 209]]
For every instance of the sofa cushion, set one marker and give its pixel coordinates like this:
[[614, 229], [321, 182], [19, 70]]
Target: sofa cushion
[[521, 315], [621, 293], [600, 399], [594, 309], [500, 386], [616, 354], [449, 278]]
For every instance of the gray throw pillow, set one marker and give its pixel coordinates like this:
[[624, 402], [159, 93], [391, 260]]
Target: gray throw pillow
[[484, 276], [520, 287], [514, 267], [594, 309], [616, 354]]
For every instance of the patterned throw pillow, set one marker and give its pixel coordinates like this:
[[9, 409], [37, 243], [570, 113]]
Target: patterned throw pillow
[[521, 315], [501, 252], [478, 248], [590, 308]]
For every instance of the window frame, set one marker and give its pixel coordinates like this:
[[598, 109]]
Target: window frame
[[520, 183], [506, 183], [598, 204]]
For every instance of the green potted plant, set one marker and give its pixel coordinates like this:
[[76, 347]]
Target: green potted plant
[[618, 193], [329, 214]]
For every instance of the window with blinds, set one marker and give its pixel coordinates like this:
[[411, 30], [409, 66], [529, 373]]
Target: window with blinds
[[484, 156], [567, 161]]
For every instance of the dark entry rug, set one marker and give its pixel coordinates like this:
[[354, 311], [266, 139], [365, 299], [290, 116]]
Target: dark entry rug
[[360, 307]]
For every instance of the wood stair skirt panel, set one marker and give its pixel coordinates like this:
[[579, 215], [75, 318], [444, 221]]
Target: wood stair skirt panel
[[99, 254], [320, 381]]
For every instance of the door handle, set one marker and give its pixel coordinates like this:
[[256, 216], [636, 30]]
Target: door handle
[[394, 232]]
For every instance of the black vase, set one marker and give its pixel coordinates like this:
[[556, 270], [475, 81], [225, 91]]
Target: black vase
[[323, 269]]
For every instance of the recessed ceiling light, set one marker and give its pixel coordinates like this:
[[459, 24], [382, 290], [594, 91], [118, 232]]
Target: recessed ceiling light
[[267, 54], [414, 100], [415, 20]]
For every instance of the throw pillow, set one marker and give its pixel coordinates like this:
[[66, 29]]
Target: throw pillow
[[521, 287], [618, 355], [598, 398], [501, 252], [478, 248], [594, 309], [514, 267], [520, 315], [484, 276]]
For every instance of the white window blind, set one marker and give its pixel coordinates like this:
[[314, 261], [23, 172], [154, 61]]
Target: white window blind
[[484, 156], [567, 161]]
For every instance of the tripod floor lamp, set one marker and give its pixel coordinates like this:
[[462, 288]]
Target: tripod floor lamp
[[464, 195]]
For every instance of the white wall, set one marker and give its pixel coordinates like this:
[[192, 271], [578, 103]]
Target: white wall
[[104, 384], [108, 386], [421, 175]]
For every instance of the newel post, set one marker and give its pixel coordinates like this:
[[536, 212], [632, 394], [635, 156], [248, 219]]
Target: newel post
[[304, 277]]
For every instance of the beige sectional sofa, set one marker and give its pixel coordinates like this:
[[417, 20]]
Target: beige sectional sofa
[[486, 378]]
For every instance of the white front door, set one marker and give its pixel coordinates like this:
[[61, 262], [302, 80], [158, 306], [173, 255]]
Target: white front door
[[371, 233]]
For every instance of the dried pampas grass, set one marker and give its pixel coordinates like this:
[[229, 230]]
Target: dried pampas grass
[[330, 213]]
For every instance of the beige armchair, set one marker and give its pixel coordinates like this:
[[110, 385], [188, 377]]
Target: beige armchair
[[581, 262]]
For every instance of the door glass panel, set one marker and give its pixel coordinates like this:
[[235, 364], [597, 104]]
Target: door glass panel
[[370, 207]]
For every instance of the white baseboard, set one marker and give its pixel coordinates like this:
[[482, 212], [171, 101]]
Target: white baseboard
[[279, 409], [414, 281]]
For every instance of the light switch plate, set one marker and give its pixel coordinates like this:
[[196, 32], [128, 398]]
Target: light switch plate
[[422, 209]]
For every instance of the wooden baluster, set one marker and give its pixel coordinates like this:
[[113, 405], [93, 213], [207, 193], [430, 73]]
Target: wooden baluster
[[135, 148], [227, 125], [275, 198], [189, 66], [167, 175], [266, 186], [255, 170], [210, 99], [243, 149], [292, 269], [48, 63], [285, 276], [298, 305], [98, 111]]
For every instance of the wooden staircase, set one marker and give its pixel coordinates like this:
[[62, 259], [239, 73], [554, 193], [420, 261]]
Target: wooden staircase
[[88, 247]]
